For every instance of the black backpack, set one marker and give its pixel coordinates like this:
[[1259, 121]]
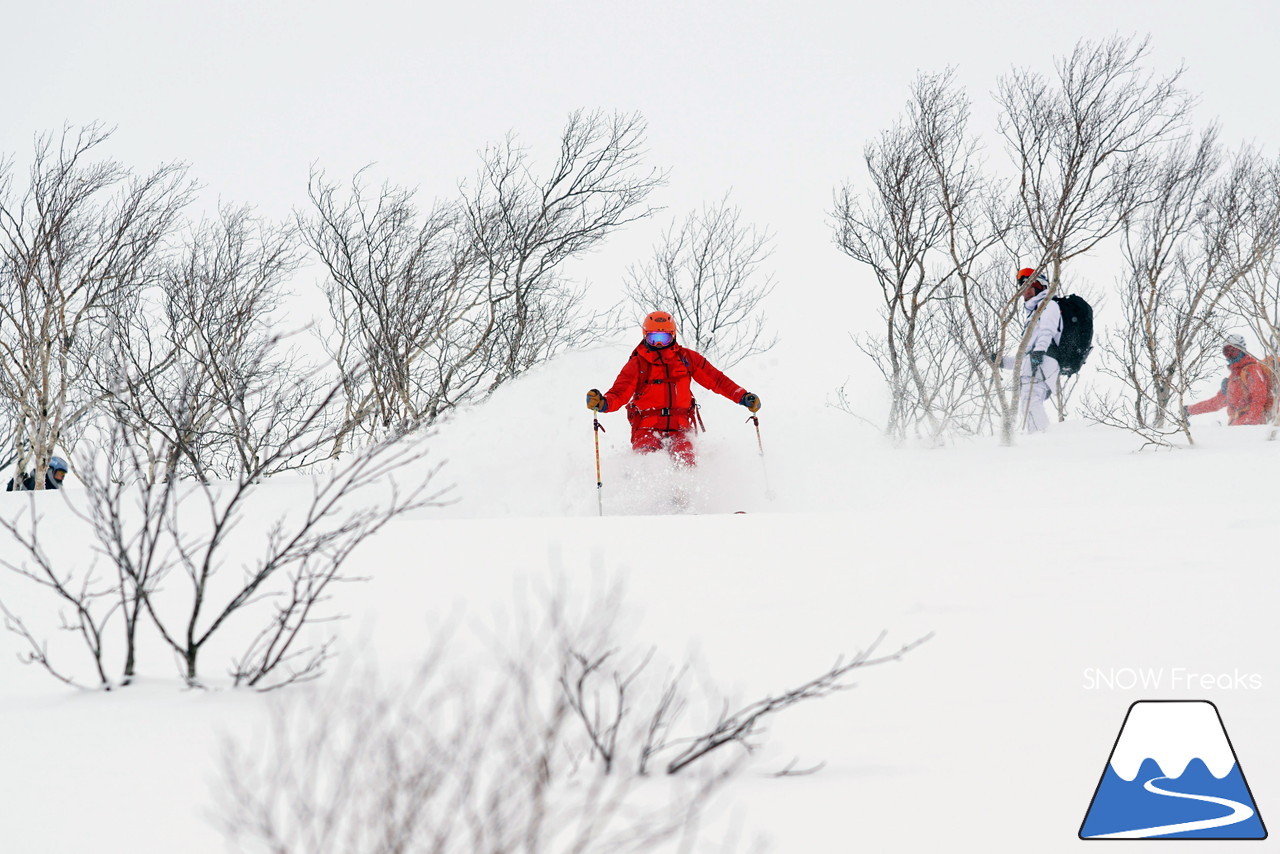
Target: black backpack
[[1077, 334]]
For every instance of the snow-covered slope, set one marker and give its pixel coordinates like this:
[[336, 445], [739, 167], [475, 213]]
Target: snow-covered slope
[[1031, 565]]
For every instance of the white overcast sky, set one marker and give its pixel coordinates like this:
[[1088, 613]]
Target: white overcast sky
[[773, 101]]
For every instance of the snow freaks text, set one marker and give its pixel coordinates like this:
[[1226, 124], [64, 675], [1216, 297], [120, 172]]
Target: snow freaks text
[[1168, 678]]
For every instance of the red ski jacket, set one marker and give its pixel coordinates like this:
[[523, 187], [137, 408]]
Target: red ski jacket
[[1246, 393], [654, 385]]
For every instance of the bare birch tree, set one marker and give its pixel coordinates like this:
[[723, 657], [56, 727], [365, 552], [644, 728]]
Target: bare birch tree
[[1086, 146], [708, 273], [925, 230], [523, 755], [1146, 353], [77, 239], [192, 558], [487, 760], [84, 601], [525, 226], [434, 310], [401, 295], [1187, 256], [198, 365]]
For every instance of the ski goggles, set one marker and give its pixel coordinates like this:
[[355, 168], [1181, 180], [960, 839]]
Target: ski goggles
[[658, 339]]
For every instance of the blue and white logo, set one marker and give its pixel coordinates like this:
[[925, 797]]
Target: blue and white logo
[[1173, 774]]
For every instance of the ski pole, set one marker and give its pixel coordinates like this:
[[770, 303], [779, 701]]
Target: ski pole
[[595, 420], [768, 491]]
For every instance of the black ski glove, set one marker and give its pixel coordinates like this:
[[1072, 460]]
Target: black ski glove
[[750, 401], [1037, 359], [596, 401]]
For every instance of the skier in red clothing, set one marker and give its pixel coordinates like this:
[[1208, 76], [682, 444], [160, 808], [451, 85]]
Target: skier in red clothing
[[1246, 392], [654, 387]]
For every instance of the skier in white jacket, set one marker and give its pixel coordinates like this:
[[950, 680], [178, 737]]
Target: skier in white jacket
[[1039, 369]]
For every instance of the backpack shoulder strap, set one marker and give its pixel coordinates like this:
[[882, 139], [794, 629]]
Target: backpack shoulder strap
[[642, 365], [643, 369]]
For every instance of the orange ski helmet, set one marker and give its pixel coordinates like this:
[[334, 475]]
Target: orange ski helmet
[[1024, 274], [659, 321], [659, 329]]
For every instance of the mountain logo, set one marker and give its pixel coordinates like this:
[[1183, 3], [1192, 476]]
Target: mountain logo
[[1173, 774]]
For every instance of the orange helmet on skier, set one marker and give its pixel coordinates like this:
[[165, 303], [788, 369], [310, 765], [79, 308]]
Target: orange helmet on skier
[[1028, 277], [659, 329]]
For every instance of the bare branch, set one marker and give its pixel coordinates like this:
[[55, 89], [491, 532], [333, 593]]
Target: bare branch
[[707, 273], [741, 726]]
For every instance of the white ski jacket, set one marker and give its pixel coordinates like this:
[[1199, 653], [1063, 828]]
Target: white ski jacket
[[1049, 328]]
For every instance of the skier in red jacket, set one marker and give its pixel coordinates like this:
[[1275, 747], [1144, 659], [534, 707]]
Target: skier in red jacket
[[1246, 392], [654, 387]]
